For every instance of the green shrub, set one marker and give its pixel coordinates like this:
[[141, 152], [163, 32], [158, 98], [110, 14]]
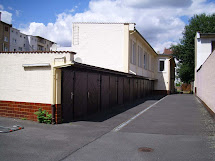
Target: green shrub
[[43, 116]]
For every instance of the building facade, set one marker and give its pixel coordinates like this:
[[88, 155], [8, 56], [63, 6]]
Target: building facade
[[120, 47], [23, 42], [4, 36], [43, 44]]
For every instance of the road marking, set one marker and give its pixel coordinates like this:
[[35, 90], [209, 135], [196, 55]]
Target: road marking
[[134, 117]]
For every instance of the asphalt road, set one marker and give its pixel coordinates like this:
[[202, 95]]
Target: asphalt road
[[177, 128]]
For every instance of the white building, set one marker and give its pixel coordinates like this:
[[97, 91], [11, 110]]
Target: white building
[[18, 41], [23, 42], [204, 85], [120, 47]]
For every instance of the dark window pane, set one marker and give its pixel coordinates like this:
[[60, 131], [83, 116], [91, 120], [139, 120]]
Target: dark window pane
[[161, 65]]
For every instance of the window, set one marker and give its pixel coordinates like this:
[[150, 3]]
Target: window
[[133, 53], [5, 49], [20, 48], [6, 28], [14, 49], [11, 30], [20, 35], [5, 39], [14, 41], [145, 60], [24, 45], [140, 52], [213, 45], [161, 65]]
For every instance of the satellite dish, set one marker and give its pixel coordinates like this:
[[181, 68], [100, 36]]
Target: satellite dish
[[78, 60]]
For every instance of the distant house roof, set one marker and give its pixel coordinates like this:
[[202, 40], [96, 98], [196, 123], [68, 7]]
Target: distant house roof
[[167, 51]]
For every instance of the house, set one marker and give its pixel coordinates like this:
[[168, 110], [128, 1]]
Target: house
[[204, 69], [4, 35], [120, 47], [166, 72]]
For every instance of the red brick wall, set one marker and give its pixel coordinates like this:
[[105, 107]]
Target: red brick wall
[[26, 110]]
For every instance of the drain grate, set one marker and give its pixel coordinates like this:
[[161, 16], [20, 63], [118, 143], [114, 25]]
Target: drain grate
[[145, 149]]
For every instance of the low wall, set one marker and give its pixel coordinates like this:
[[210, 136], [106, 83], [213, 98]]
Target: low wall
[[205, 83], [26, 110]]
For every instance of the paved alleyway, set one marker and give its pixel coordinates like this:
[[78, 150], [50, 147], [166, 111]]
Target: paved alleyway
[[178, 128]]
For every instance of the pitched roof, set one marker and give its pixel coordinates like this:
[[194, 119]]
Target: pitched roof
[[167, 51]]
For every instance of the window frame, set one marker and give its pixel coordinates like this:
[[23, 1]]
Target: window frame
[[164, 69], [133, 53]]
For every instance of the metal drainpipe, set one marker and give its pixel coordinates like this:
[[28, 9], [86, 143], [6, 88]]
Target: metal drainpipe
[[54, 96]]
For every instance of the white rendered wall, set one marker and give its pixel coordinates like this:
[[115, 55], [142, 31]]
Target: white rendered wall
[[135, 69], [163, 77], [29, 84], [203, 50], [100, 45], [206, 82]]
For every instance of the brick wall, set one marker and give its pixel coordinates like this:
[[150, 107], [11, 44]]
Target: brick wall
[[26, 110]]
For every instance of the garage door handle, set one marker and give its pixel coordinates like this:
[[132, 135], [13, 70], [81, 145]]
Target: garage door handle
[[72, 96]]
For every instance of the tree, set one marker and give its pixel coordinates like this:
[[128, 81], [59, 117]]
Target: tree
[[185, 50]]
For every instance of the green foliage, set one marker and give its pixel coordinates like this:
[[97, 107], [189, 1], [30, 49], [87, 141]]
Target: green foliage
[[23, 118], [185, 50], [43, 116]]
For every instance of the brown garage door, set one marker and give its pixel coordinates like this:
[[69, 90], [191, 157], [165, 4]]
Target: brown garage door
[[67, 95], [80, 95], [93, 93], [105, 92]]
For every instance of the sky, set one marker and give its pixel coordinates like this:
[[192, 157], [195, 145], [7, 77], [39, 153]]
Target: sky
[[161, 22]]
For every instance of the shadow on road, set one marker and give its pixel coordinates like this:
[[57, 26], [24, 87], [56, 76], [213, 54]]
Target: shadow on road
[[102, 116]]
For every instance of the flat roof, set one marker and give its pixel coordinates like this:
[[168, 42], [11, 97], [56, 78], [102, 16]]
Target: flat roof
[[99, 69], [6, 23], [207, 35]]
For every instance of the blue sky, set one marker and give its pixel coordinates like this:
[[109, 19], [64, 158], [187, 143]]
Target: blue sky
[[161, 24], [45, 11]]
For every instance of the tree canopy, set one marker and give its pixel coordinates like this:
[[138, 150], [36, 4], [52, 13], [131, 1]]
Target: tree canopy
[[185, 50]]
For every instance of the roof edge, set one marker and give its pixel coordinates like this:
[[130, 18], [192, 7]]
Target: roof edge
[[35, 52]]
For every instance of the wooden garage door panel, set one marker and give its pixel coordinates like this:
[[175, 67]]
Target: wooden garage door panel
[[105, 92], [93, 93], [80, 95], [67, 95]]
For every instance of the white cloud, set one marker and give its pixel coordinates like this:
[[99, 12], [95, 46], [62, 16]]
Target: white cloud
[[1, 7], [160, 24], [17, 12], [10, 8], [6, 16]]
